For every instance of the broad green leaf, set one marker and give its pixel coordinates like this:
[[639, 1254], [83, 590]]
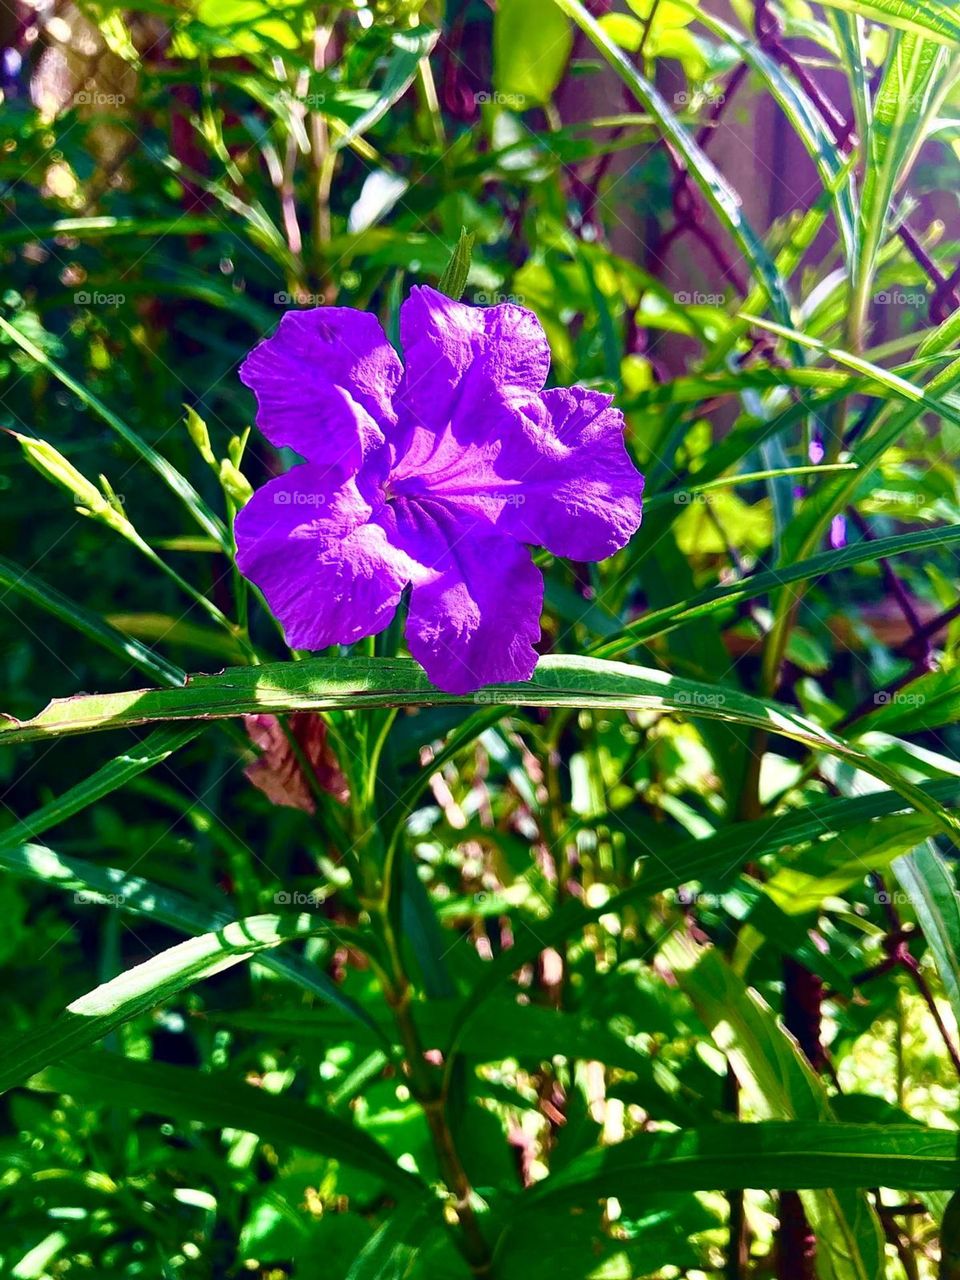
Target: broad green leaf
[[829, 867], [213, 1099], [532, 41], [325, 684], [929, 702]]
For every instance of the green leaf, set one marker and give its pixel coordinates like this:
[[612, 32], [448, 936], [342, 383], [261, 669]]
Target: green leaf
[[927, 880], [788, 1156], [830, 867], [90, 1017], [179, 485], [807, 122], [531, 45], [722, 198], [391, 1251], [779, 1084], [560, 681], [455, 274], [407, 49], [662, 621], [900, 387], [922, 17], [139, 757], [125, 647], [123, 891], [213, 1099], [717, 855]]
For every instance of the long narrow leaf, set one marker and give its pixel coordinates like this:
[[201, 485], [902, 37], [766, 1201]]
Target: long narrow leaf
[[213, 1100], [128, 649], [182, 487], [561, 681]]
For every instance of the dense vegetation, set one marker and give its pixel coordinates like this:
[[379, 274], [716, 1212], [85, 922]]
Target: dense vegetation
[[649, 966]]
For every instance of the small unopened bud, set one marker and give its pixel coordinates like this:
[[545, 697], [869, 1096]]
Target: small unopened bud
[[235, 484], [197, 430]]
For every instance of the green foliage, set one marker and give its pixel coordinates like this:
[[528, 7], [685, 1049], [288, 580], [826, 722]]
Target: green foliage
[[581, 977]]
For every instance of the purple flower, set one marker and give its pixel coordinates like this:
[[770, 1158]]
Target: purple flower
[[434, 475]]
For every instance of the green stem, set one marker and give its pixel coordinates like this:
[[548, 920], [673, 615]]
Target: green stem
[[429, 1093]]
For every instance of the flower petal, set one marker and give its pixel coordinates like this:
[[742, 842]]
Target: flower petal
[[577, 491], [457, 357], [475, 608], [313, 544], [324, 385]]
